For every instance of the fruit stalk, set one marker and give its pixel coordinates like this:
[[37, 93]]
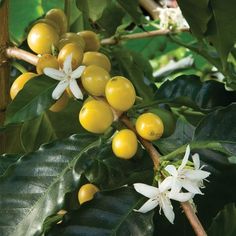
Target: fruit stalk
[[153, 153], [4, 66], [14, 52], [150, 6]]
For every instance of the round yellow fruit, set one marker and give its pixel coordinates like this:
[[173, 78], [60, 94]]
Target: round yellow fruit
[[125, 144], [42, 37], [91, 39], [94, 80], [46, 60], [77, 54], [98, 59], [149, 126], [120, 93], [20, 82], [58, 16], [86, 193], [70, 37], [96, 116]]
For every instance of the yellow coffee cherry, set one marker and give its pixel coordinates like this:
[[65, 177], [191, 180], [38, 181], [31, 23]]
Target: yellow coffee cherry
[[125, 144], [98, 59], [120, 93], [94, 80], [70, 37], [91, 39], [60, 104], [42, 37], [58, 16], [49, 22], [149, 126], [20, 82], [46, 60], [86, 192], [75, 50], [96, 116]]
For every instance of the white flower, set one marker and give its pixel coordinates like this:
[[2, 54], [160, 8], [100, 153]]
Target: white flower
[[171, 16], [156, 197], [67, 78], [189, 179]]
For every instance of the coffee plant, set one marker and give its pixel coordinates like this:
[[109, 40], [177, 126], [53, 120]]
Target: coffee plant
[[117, 117]]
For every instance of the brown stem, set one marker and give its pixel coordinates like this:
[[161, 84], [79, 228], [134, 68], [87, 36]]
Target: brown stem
[[4, 68], [14, 52], [148, 146], [193, 219], [150, 6], [141, 35]]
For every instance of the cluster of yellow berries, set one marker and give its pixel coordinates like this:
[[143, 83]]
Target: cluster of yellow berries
[[109, 95]]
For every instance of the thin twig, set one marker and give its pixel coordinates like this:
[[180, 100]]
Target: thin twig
[[193, 219], [14, 52], [150, 6], [141, 35]]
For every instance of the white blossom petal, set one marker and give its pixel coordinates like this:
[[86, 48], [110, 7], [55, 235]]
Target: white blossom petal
[[196, 161], [167, 209], [191, 186], [185, 159], [171, 170], [181, 197], [78, 72], [166, 184], [149, 205], [75, 89], [54, 74], [146, 190], [60, 88], [197, 175], [67, 68]]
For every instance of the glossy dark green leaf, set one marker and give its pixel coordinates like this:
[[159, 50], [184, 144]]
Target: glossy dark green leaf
[[109, 213], [133, 10], [224, 222], [135, 68], [188, 90], [91, 8], [107, 171], [183, 134], [219, 125], [34, 187], [111, 18], [6, 161], [221, 27], [197, 14], [32, 100], [51, 125]]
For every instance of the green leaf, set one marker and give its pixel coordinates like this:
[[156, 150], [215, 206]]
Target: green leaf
[[25, 12], [107, 171], [183, 134], [109, 213], [32, 100], [91, 8], [197, 14], [224, 222], [6, 161], [111, 18], [135, 68], [219, 125], [133, 10], [50, 126], [221, 28], [34, 187], [188, 90]]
